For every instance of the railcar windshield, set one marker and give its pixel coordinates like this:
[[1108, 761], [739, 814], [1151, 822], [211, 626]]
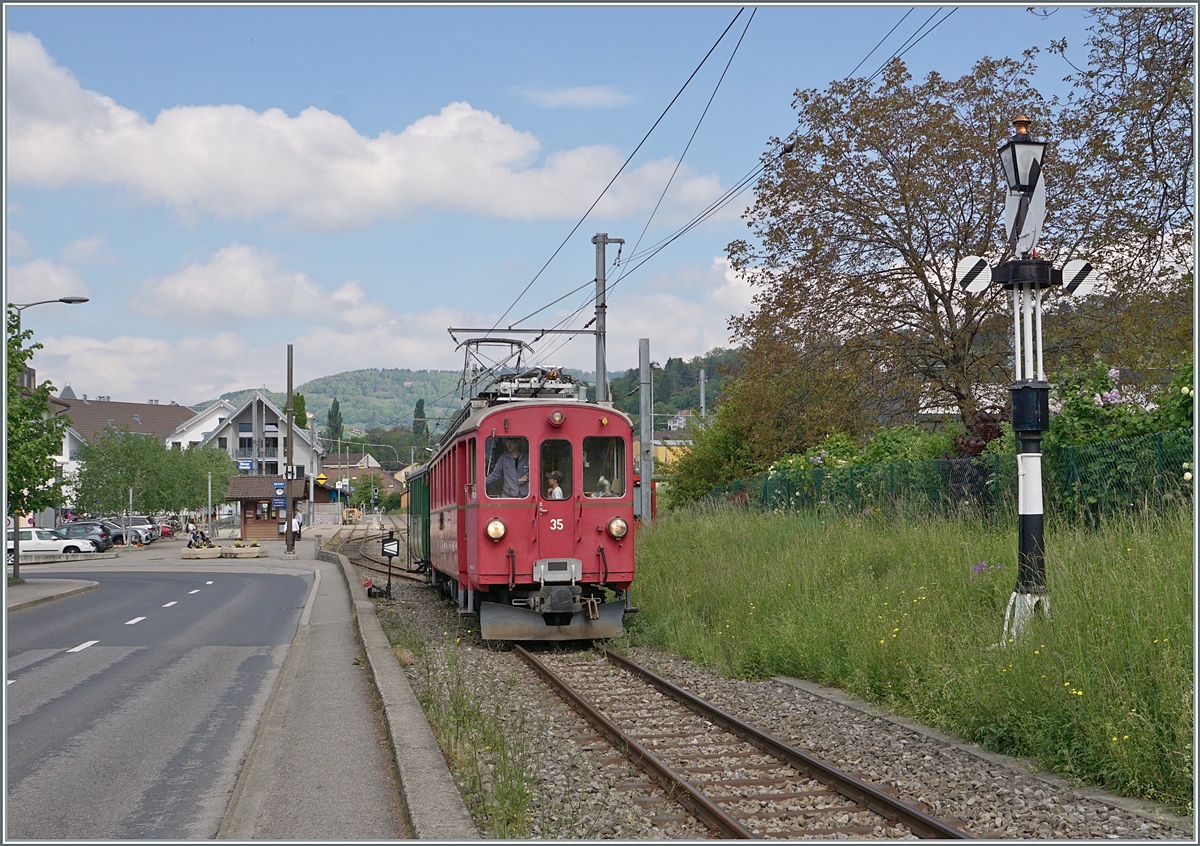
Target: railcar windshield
[[556, 470], [507, 467], [603, 467]]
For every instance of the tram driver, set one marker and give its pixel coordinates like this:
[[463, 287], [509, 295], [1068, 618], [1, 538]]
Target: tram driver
[[513, 468]]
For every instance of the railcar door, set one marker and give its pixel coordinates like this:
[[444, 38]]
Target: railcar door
[[558, 501]]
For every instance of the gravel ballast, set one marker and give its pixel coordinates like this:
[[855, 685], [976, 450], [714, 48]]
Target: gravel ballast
[[581, 790]]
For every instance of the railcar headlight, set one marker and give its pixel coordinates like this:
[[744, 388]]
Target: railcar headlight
[[495, 529], [557, 418], [617, 527]]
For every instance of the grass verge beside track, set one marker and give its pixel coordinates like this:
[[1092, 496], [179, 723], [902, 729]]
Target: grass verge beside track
[[908, 612]]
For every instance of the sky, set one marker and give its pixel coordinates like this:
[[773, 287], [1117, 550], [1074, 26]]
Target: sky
[[221, 181]]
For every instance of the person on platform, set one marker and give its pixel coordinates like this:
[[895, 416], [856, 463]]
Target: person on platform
[[297, 522]]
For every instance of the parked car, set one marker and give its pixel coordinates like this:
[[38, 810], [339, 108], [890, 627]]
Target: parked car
[[47, 540], [165, 530], [90, 529], [141, 521], [137, 534]]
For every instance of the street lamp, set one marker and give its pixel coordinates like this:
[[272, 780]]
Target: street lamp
[[18, 308], [1022, 157]]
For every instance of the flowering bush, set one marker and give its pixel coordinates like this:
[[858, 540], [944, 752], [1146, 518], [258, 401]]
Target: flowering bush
[[1089, 406]]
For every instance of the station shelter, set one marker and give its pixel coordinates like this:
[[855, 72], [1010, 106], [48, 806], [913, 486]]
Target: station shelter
[[261, 504]]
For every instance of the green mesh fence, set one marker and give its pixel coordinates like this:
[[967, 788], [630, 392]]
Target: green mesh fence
[[1081, 481]]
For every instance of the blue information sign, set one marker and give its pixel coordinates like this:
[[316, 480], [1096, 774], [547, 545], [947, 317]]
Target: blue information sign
[[279, 502]]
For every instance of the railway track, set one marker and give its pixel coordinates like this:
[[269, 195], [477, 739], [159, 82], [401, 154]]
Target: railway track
[[361, 544], [737, 780]]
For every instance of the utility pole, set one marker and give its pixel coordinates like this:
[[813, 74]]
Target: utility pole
[[703, 413], [600, 239], [646, 412], [288, 469]]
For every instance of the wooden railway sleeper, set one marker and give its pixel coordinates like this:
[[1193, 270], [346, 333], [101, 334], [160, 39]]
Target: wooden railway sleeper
[[864, 794]]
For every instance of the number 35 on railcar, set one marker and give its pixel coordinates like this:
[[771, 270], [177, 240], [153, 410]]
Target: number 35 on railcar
[[525, 512]]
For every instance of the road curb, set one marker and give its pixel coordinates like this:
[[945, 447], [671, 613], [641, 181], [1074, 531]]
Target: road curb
[[432, 800], [39, 600]]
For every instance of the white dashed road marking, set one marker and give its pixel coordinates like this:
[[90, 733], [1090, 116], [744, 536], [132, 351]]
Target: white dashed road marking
[[208, 583], [190, 592], [168, 605], [84, 645], [134, 620]]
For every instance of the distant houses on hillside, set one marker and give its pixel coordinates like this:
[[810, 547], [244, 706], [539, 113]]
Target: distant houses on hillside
[[254, 433]]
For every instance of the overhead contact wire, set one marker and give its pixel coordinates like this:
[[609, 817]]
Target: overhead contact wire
[[620, 170]]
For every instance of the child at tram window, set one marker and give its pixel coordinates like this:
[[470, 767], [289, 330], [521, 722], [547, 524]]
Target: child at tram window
[[554, 484]]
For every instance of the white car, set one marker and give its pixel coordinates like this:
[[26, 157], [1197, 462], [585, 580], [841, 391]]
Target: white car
[[44, 540]]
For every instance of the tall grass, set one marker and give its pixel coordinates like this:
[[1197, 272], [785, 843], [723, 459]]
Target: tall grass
[[908, 612], [485, 744]]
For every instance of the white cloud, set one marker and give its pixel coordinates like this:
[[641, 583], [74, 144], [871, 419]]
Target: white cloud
[[236, 283], [18, 245], [683, 311], [578, 97], [42, 279], [313, 169], [89, 251]]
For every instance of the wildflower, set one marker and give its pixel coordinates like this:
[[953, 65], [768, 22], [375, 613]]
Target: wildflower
[[1114, 374], [980, 567]]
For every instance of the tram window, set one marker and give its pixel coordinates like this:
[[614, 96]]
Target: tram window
[[506, 468], [471, 469], [556, 459], [603, 467]]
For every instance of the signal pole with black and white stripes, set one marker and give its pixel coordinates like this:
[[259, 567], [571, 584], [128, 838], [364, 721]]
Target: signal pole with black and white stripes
[[1026, 277]]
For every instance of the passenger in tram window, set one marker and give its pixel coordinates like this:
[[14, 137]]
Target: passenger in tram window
[[554, 483]]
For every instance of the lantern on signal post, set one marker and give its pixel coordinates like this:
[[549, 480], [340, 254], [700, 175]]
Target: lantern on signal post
[[1026, 277]]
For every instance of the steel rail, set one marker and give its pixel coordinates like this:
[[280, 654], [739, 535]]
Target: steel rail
[[370, 562], [853, 789], [676, 786]]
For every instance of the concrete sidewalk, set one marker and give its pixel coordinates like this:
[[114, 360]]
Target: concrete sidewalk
[[317, 769], [29, 592]]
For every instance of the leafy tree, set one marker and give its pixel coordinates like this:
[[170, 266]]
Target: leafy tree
[[299, 412], [361, 496], [390, 501], [1124, 199], [162, 479], [719, 453], [862, 224], [114, 463], [190, 468], [333, 422], [34, 435], [420, 425]]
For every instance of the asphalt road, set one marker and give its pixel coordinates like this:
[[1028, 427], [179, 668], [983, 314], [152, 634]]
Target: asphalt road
[[130, 707]]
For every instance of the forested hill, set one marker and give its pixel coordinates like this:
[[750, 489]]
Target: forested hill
[[676, 385], [370, 399]]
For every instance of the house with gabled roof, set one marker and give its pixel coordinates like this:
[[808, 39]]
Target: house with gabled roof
[[255, 436], [199, 427]]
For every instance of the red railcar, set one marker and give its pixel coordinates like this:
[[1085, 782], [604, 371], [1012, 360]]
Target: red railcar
[[530, 511]]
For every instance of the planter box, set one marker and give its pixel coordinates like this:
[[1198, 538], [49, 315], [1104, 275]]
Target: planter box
[[214, 552], [239, 552]]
